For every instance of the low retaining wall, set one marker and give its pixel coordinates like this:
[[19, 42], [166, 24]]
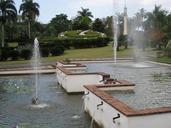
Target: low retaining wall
[[109, 112], [73, 82]]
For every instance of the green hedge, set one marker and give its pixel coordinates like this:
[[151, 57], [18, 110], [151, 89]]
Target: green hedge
[[14, 54], [7, 52], [44, 52], [26, 54], [57, 50], [76, 43]]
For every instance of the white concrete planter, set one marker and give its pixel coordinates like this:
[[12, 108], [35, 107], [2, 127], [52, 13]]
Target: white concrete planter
[[73, 78], [115, 114]]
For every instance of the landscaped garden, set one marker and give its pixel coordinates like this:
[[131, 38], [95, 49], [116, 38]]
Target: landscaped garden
[[63, 38], [82, 71]]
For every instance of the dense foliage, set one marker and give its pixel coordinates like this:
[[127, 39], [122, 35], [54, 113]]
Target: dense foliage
[[8, 13], [68, 43], [29, 11], [26, 54], [98, 25], [63, 33], [58, 24]]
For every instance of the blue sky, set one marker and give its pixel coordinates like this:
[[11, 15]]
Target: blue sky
[[99, 8]]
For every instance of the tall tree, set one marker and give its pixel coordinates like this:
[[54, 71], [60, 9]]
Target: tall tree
[[8, 13], [30, 10], [156, 25], [83, 20], [58, 24], [85, 12], [98, 25], [108, 22], [140, 17]]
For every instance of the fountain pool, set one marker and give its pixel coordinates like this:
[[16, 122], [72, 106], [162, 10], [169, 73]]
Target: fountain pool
[[153, 83], [60, 111]]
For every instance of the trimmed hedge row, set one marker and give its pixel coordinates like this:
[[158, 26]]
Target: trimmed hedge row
[[53, 47], [14, 54], [76, 43]]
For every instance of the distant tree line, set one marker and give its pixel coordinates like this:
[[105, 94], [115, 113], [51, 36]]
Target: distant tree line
[[22, 26]]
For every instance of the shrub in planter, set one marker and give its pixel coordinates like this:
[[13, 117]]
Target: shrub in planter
[[14, 54], [26, 54], [44, 52], [168, 48], [57, 50]]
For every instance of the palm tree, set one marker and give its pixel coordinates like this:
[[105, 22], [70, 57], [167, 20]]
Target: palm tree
[[156, 24], [30, 10], [85, 13], [158, 17], [8, 12], [83, 19]]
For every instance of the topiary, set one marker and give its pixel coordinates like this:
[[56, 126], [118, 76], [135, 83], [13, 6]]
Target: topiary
[[26, 54]]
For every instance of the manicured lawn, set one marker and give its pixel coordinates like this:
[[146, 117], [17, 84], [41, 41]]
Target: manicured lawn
[[164, 59], [14, 44], [89, 53]]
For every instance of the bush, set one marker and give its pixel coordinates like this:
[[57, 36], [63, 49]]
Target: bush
[[26, 54], [4, 53], [168, 48], [44, 52], [14, 54], [57, 50]]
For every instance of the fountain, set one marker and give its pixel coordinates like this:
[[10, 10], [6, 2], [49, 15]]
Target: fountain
[[115, 40], [136, 32], [36, 65]]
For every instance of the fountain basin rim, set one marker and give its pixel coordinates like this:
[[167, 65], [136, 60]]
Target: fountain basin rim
[[122, 107], [26, 72]]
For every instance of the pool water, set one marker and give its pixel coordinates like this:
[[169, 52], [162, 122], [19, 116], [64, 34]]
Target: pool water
[[60, 111], [153, 83]]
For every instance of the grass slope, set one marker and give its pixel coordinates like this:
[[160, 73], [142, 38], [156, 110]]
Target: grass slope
[[89, 53]]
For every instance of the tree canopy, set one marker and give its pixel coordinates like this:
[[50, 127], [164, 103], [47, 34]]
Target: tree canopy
[[8, 12]]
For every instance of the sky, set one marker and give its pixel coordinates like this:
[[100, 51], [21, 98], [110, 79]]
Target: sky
[[99, 8]]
